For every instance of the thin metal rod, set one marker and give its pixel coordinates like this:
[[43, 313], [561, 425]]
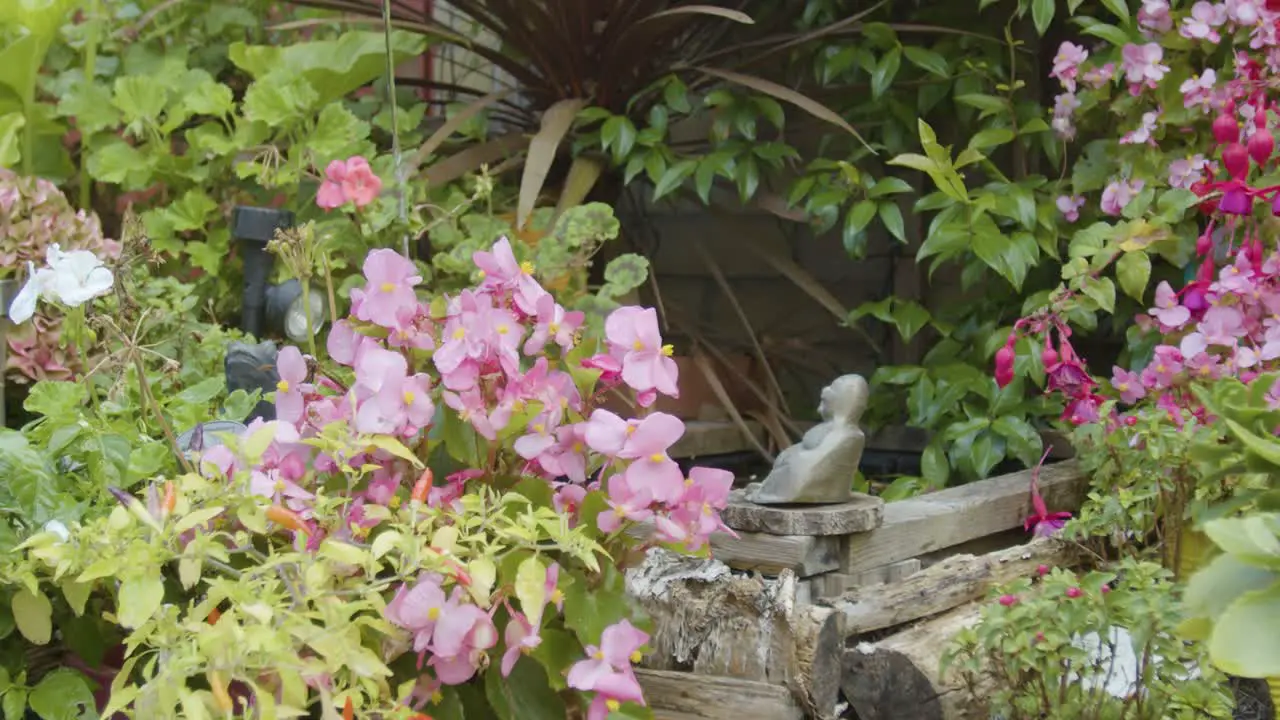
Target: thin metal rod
[[396, 156]]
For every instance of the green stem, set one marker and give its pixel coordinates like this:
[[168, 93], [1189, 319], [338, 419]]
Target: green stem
[[90, 69]]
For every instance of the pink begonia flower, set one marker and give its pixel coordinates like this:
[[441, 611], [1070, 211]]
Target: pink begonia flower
[[471, 408], [1142, 135], [1069, 206], [697, 517], [1200, 24], [462, 634], [646, 362], [627, 501], [390, 279], [1222, 325], [1141, 65], [1098, 76], [521, 639], [567, 458], [418, 609], [292, 368], [568, 499], [1118, 193], [1064, 107], [377, 366], [1198, 91], [1066, 64], [348, 181], [1185, 172], [607, 670], [1168, 311], [1244, 13], [1164, 367], [1128, 384], [1154, 17], [401, 400], [504, 274], [554, 325]]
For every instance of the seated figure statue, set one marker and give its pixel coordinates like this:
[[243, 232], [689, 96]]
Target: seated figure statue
[[821, 468]]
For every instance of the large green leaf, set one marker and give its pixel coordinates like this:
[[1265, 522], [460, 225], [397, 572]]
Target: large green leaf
[[1246, 638], [11, 138], [1215, 586], [1250, 539], [333, 67], [63, 695]]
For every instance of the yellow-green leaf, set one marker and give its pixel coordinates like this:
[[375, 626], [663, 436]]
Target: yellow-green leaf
[[77, 595], [531, 589], [395, 447], [33, 614], [483, 573], [139, 599]]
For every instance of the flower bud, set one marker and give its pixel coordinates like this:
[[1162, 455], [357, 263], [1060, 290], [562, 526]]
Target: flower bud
[[1042, 570], [1275, 205], [1130, 420], [1204, 245], [1004, 366], [1074, 592], [1226, 129], [1261, 145], [1008, 600], [1236, 160]]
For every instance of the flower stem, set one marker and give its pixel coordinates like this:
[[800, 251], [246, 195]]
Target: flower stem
[[306, 307]]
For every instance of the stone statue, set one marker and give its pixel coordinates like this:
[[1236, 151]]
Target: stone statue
[[820, 469]]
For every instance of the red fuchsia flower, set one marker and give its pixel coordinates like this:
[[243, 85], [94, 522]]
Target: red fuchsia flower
[[1008, 600], [1005, 357], [1074, 592], [1043, 523], [349, 181], [607, 670]]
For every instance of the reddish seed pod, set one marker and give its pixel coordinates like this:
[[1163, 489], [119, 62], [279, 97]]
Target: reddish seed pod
[[1225, 128], [1235, 158]]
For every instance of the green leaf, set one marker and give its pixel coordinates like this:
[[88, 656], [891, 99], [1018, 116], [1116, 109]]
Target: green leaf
[[332, 67], [886, 70], [338, 134], [15, 704], [1103, 292], [674, 177], [991, 137], [618, 133], [988, 104], [525, 695], [1246, 637], [934, 466], [140, 99], [888, 185], [909, 317], [927, 60], [1118, 7], [530, 586], [855, 222], [1133, 270], [119, 163], [204, 391], [1023, 440], [986, 453], [1249, 539], [34, 616], [63, 695], [139, 599], [280, 102], [1215, 586], [11, 138], [1042, 14], [1110, 33], [891, 216]]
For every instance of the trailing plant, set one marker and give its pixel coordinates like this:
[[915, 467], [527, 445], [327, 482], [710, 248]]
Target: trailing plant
[[1110, 650]]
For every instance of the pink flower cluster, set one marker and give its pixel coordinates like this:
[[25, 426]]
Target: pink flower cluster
[[498, 356], [348, 181]]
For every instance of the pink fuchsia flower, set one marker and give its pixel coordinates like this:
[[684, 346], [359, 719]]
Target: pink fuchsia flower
[[1201, 23], [1118, 193], [521, 638], [1154, 17], [1066, 64], [1141, 65], [292, 368], [348, 181], [1042, 522], [1142, 135], [1168, 311], [607, 670], [1069, 206], [633, 333], [554, 325], [627, 501], [388, 294], [1128, 384]]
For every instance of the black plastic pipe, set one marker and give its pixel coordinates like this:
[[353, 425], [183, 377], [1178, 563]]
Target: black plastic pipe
[[254, 227]]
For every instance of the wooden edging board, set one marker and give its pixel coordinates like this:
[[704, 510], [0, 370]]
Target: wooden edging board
[[685, 696]]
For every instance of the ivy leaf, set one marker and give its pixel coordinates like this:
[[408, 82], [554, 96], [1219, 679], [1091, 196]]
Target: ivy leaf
[[891, 216], [139, 598], [927, 60], [1133, 270], [886, 70], [63, 695], [33, 614]]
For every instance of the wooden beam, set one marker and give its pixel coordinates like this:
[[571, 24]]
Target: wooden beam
[[949, 584], [805, 555], [686, 696], [946, 518]]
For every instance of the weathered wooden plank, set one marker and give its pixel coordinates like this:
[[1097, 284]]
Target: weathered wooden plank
[[838, 583], [942, 519], [953, 582], [686, 696], [805, 555], [707, 437]]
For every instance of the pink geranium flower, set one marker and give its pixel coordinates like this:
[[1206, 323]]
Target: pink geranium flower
[[347, 181]]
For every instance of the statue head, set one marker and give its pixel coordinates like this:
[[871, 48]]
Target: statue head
[[844, 399]]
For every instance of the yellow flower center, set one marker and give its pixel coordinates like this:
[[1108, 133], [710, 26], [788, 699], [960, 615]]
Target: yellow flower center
[[620, 512], [556, 596], [459, 333], [408, 397], [283, 386], [433, 614], [1204, 369], [553, 328], [599, 655], [279, 486], [688, 482], [638, 346], [706, 509], [668, 350], [656, 458], [631, 429], [503, 329], [1161, 368], [437, 697], [635, 656], [612, 704], [1123, 387], [482, 275], [526, 267], [394, 502], [387, 287], [577, 447], [539, 428]]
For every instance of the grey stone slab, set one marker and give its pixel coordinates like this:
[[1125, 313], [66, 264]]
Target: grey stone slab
[[861, 514]]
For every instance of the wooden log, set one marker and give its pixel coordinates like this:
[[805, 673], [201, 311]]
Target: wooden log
[[935, 521], [898, 677], [685, 696], [710, 621], [805, 555], [953, 582]]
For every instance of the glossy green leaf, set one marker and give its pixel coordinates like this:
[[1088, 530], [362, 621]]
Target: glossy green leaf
[[885, 72], [63, 694], [1042, 12], [139, 598], [927, 60], [1133, 270], [891, 216]]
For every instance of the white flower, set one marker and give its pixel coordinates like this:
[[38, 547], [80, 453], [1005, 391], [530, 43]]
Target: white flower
[[72, 279], [57, 528]]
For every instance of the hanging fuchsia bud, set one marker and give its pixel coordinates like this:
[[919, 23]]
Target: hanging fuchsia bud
[[1004, 365], [1261, 145], [1236, 160], [1048, 356], [1204, 245], [1225, 128]]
